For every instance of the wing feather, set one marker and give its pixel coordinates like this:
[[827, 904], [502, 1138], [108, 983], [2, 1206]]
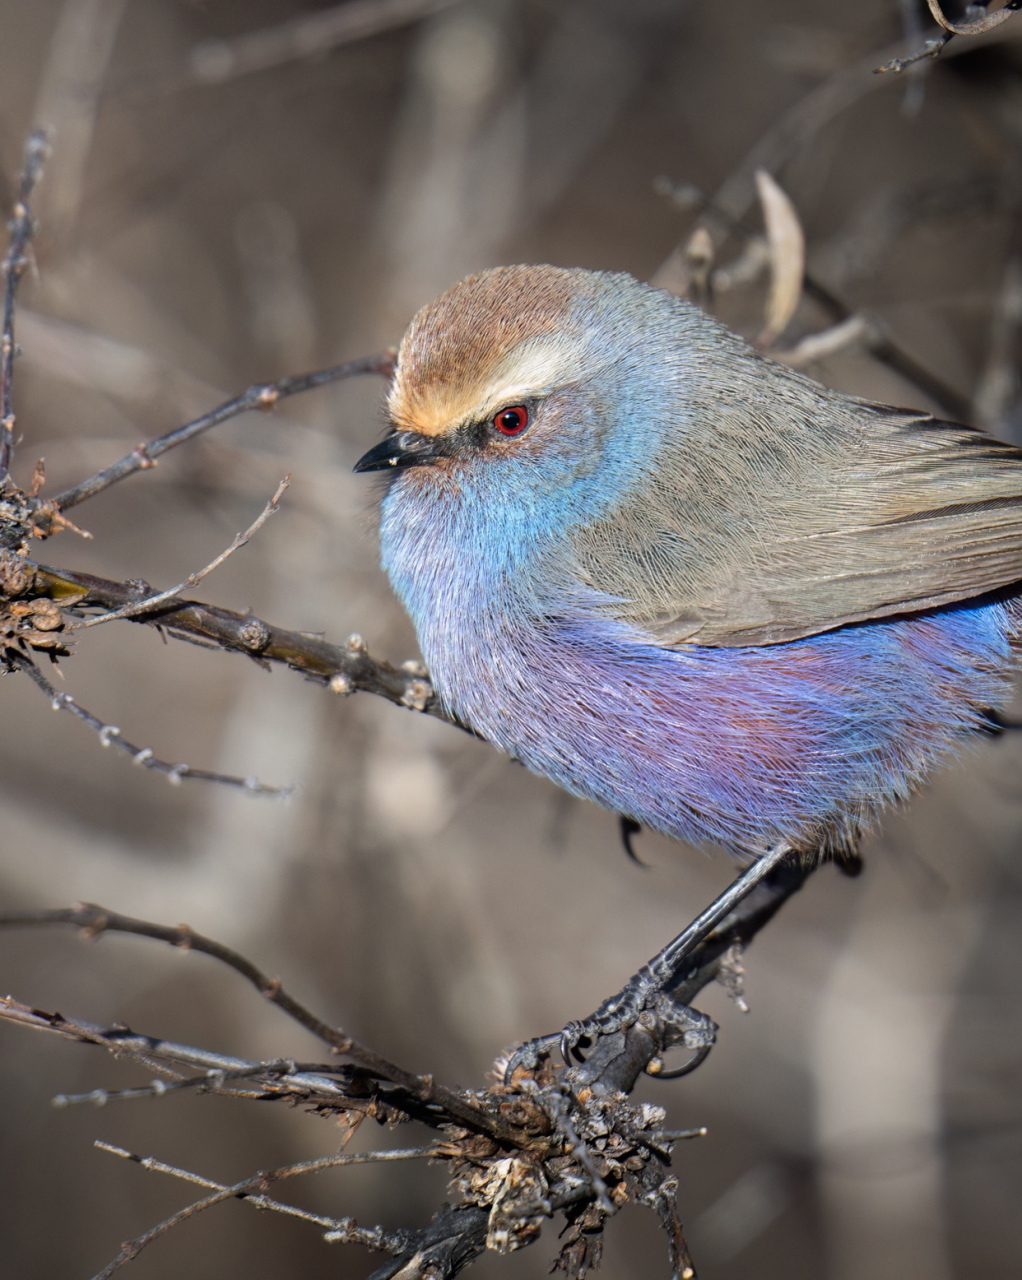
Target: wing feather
[[831, 512]]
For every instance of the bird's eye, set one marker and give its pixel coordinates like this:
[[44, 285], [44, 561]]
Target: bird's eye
[[513, 421]]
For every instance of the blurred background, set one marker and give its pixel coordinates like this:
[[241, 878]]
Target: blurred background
[[242, 189]]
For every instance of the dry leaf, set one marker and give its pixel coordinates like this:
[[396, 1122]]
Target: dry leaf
[[787, 257]]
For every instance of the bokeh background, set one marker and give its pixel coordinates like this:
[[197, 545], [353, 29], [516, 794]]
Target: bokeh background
[[219, 211]]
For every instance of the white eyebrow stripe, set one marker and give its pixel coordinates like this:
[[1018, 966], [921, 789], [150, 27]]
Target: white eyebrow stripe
[[531, 370]]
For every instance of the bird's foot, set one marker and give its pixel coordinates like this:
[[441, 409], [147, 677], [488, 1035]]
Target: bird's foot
[[640, 1003], [645, 999]]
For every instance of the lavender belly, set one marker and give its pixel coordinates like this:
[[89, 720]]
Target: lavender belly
[[741, 748]]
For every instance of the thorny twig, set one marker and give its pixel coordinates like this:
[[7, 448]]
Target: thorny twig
[[22, 230], [335, 1228]]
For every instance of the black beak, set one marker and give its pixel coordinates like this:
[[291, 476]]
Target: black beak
[[399, 450]]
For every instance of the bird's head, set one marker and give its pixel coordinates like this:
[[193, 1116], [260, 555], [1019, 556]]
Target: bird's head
[[531, 365]]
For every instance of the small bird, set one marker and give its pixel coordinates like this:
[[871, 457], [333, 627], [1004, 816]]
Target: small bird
[[682, 579]]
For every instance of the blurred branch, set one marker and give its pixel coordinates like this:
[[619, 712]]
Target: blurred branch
[[67, 103], [259, 396], [216, 61], [97, 920], [22, 228]]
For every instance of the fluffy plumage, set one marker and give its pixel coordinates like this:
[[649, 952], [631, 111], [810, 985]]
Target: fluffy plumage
[[700, 588]]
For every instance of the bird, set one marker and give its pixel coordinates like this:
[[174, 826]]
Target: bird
[[684, 580]]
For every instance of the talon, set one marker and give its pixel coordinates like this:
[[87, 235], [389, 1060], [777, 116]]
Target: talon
[[697, 1059]]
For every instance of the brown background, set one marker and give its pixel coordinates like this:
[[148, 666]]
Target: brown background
[[437, 900]]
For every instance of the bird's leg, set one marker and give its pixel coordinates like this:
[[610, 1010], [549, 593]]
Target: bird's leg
[[646, 989]]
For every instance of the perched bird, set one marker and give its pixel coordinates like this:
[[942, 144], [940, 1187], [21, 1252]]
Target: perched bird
[[681, 579]]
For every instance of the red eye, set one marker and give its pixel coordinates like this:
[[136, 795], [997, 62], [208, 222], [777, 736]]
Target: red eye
[[513, 421]]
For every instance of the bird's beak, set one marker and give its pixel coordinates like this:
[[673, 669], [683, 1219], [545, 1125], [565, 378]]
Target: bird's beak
[[399, 450]]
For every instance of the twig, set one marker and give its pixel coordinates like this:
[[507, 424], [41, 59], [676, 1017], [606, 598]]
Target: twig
[[22, 230], [96, 920], [137, 607], [818, 346], [212, 1081], [110, 735], [153, 1051], [338, 1229], [263, 395], [931, 49], [254, 1187]]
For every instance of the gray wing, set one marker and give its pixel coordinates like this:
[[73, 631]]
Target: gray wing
[[835, 511]]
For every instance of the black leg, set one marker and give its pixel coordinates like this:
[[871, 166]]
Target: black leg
[[642, 990]]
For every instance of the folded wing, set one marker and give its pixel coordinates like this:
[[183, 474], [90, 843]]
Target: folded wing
[[838, 512]]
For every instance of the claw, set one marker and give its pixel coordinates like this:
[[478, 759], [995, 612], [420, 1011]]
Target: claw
[[629, 828], [697, 1059]]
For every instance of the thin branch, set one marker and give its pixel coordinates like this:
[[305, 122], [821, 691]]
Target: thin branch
[[211, 1081], [97, 920], [339, 1229], [345, 669], [259, 396], [931, 49], [254, 1187], [134, 609], [110, 735], [22, 230], [164, 1055]]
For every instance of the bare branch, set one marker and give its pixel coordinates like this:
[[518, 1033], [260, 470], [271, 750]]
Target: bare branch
[[310, 1084], [264, 395], [340, 1229], [110, 735], [22, 230], [96, 920], [931, 49], [138, 607]]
